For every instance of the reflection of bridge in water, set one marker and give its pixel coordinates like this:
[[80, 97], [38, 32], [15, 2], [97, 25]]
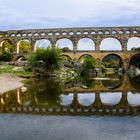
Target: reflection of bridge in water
[[79, 102], [123, 85]]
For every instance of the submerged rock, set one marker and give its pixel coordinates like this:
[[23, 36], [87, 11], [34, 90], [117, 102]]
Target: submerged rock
[[67, 73]]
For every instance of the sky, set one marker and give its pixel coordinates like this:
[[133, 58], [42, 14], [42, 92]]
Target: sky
[[25, 14], [35, 14]]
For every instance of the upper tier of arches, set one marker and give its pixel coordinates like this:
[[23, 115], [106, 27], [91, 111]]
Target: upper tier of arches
[[75, 32]]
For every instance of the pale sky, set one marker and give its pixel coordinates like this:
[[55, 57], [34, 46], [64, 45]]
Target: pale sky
[[27, 14], [23, 14]]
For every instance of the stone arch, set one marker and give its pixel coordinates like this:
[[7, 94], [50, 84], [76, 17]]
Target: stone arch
[[85, 33], [114, 32], [121, 32], [23, 46], [2, 99], [86, 44], [81, 58], [42, 43], [110, 98], [93, 32], [127, 32], [64, 44], [107, 32], [133, 99], [135, 32], [110, 44], [71, 33], [100, 32], [30, 34], [13, 35], [6, 45], [43, 34], [66, 57], [133, 43], [78, 33], [113, 56], [20, 58], [19, 98], [86, 99]]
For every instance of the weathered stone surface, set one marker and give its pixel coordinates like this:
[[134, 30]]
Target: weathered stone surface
[[97, 34]]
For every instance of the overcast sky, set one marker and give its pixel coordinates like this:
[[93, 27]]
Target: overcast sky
[[24, 14], [30, 14]]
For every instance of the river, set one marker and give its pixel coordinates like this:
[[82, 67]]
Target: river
[[82, 109]]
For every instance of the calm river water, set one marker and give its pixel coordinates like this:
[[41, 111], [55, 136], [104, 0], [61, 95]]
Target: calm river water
[[82, 109]]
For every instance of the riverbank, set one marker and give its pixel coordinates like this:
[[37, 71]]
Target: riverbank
[[9, 82]]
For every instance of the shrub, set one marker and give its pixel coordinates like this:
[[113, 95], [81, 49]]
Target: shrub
[[6, 56], [47, 59], [88, 65]]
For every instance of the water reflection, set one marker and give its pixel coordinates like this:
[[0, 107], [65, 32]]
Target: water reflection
[[66, 99], [111, 98], [78, 97], [86, 99], [133, 99], [135, 82], [113, 82]]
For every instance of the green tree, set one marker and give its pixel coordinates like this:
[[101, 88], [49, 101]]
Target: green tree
[[89, 65], [6, 56], [7, 46], [136, 60], [46, 59], [24, 46]]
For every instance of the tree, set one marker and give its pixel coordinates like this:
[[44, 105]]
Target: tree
[[135, 61], [6, 56], [7, 46], [46, 59], [24, 46], [89, 65], [65, 49]]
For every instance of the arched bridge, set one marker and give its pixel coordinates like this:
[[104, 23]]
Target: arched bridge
[[96, 34]]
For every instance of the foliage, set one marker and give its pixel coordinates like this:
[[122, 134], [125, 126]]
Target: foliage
[[19, 71], [136, 60], [7, 46], [46, 91], [135, 49], [24, 47], [48, 59], [111, 61], [88, 65], [103, 68], [6, 56], [135, 82], [65, 49]]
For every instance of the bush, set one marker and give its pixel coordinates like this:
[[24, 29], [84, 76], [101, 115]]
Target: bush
[[47, 59], [6, 56], [88, 65]]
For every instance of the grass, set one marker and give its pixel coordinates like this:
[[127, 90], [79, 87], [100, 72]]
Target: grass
[[18, 71]]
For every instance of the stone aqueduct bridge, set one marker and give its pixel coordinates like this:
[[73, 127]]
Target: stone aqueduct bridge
[[97, 34]]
